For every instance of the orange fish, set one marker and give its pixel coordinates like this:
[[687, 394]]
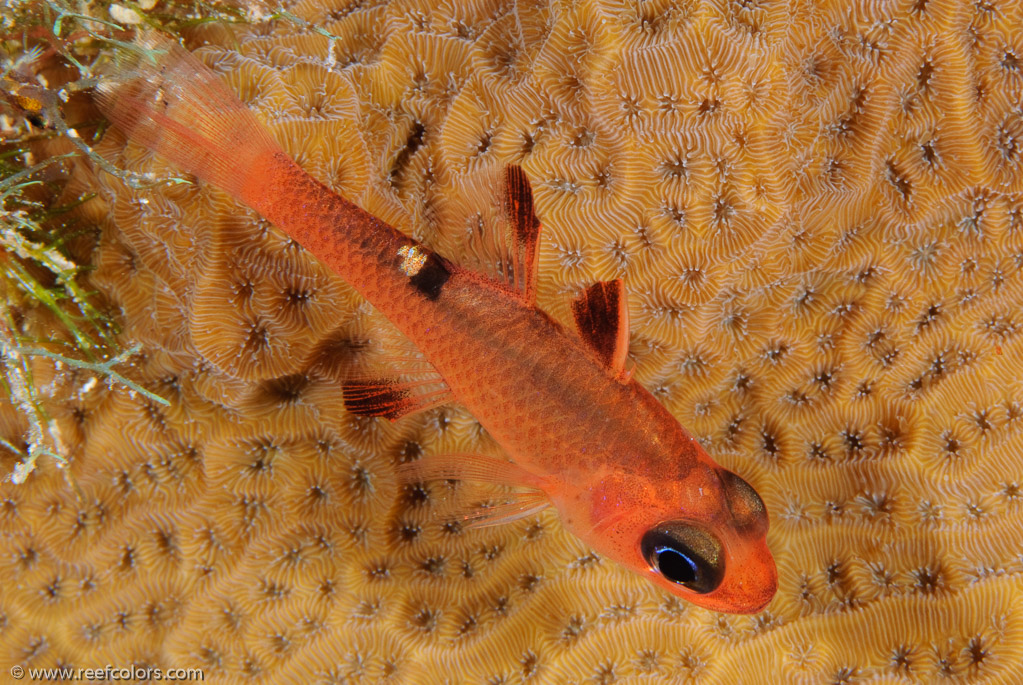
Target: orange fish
[[625, 477]]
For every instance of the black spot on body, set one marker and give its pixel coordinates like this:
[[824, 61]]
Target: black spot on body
[[431, 278]]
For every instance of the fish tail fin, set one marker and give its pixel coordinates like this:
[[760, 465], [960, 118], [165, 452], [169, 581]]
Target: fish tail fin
[[167, 100]]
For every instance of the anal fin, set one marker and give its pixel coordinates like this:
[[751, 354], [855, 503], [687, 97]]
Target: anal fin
[[391, 398], [380, 371], [602, 317]]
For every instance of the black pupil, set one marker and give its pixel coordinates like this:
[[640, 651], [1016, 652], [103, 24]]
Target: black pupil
[[675, 566]]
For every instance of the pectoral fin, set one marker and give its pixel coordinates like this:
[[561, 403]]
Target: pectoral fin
[[483, 469], [602, 317], [512, 507], [475, 467]]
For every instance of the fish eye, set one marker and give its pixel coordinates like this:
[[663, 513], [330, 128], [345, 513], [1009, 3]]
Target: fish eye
[[684, 554], [744, 503]]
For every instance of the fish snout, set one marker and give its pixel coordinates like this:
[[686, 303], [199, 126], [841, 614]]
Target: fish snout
[[754, 581]]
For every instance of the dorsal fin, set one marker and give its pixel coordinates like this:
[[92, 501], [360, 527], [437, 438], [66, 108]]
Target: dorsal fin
[[602, 318], [525, 229]]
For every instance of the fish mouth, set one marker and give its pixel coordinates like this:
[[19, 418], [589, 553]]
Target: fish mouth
[[751, 581]]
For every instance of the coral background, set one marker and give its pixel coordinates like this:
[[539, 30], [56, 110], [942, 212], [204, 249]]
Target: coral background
[[818, 212]]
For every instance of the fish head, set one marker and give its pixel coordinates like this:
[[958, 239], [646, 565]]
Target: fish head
[[701, 537], [718, 559]]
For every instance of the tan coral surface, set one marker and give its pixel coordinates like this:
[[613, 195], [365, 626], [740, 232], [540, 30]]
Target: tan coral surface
[[818, 212]]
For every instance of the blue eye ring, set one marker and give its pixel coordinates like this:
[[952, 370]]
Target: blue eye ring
[[675, 565], [685, 555]]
